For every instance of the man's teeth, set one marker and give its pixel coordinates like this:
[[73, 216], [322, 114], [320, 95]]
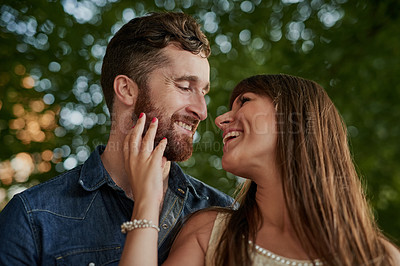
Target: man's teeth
[[184, 125], [231, 134]]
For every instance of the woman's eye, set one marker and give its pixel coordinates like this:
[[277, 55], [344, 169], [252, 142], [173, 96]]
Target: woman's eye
[[244, 99]]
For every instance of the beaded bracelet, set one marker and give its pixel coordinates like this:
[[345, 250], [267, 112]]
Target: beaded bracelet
[[130, 225]]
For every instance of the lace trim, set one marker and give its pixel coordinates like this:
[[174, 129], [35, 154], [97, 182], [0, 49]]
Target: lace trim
[[283, 260]]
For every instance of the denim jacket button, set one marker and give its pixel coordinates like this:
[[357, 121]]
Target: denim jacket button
[[165, 226], [91, 264]]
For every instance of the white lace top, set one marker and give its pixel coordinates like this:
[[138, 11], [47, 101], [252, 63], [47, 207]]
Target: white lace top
[[260, 257]]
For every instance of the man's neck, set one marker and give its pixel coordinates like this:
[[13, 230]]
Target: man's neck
[[113, 161]]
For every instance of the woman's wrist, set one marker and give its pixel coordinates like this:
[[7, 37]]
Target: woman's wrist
[[138, 224], [146, 210], [147, 197]]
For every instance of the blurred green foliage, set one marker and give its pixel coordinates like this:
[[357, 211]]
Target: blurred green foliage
[[52, 113]]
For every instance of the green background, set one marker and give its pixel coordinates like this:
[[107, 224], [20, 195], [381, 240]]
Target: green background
[[52, 113]]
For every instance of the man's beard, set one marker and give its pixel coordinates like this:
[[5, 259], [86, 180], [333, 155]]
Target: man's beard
[[179, 147]]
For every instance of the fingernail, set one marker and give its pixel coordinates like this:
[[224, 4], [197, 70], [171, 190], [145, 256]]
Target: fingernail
[[133, 126], [141, 115], [153, 120], [164, 138]]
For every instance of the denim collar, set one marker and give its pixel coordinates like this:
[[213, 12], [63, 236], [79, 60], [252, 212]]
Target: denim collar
[[179, 181], [94, 175]]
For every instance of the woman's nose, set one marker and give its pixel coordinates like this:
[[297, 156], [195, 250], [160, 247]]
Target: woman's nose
[[223, 120]]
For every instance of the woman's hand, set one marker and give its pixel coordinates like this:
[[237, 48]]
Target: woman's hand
[[144, 163]]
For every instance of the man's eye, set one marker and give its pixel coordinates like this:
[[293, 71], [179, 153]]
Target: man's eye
[[184, 88]]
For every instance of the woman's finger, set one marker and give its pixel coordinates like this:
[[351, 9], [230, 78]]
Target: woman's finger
[[132, 143], [159, 151], [135, 140], [148, 140]]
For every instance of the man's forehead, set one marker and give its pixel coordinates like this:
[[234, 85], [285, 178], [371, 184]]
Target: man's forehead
[[182, 65], [175, 54]]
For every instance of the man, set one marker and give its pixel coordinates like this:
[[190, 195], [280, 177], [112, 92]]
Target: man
[[157, 65]]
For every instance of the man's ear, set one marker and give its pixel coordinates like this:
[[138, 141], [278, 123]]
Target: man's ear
[[126, 90]]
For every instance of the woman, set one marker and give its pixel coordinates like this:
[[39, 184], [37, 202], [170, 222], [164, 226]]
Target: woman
[[302, 203]]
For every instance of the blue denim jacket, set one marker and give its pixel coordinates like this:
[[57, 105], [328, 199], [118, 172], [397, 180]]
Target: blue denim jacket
[[75, 218]]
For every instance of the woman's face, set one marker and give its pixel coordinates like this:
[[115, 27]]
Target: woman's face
[[249, 134]]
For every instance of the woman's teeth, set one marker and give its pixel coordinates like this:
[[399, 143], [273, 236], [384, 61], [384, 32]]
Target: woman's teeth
[[232, 134]]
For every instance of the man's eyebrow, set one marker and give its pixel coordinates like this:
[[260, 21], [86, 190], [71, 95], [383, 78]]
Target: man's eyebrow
[[206, 89]]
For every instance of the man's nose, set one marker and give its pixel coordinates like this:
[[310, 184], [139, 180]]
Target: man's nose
[[198, 107]]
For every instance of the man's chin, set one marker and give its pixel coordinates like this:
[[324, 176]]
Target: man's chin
[[178, 151], [177, 157]]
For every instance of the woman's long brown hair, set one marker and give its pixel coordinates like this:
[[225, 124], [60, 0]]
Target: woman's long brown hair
[[323, 192]]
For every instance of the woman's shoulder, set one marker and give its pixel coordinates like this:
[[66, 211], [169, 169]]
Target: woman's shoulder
[[200, 225], [203, 221], [393, 251], [192, 241]]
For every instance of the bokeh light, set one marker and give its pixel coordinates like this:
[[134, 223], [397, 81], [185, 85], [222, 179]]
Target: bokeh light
[[23, 166], [28, 82]]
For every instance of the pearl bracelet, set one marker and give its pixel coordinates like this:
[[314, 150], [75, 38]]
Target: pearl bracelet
[[130, 225]]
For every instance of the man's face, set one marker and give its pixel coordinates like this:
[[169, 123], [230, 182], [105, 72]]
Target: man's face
[[175, 95]]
